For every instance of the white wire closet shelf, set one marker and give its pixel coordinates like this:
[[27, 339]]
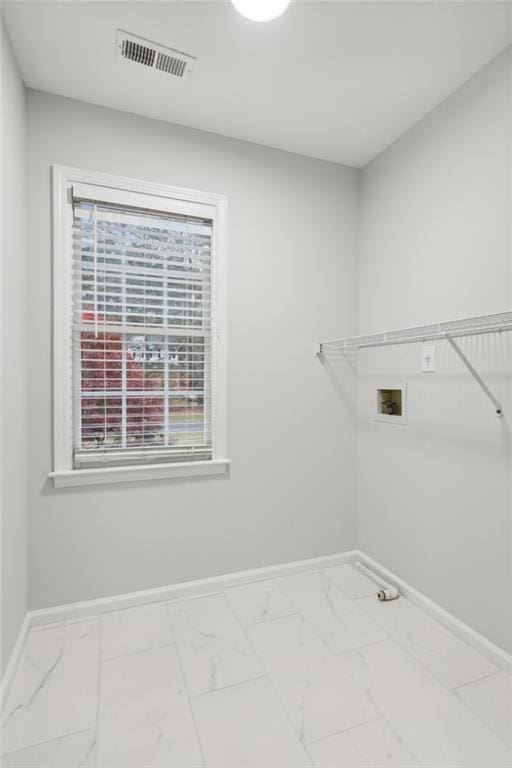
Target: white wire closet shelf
[[467, 327], [448, 331]]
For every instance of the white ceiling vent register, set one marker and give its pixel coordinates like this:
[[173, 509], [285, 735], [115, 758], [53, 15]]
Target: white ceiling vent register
[[149, 54]]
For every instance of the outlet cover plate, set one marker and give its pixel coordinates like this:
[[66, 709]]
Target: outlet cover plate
[[428, 358]]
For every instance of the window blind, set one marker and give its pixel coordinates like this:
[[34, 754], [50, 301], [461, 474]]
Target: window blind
[[142, 335]]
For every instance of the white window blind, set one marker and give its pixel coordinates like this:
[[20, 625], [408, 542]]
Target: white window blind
[[142, 335]]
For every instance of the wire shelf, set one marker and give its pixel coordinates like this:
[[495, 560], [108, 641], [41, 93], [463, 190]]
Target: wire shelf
[[470, 326]]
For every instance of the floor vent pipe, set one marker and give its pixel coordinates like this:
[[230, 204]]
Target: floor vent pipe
[[386, 591]]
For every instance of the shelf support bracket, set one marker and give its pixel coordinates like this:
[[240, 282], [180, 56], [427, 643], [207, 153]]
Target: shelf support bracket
[[474, 373]]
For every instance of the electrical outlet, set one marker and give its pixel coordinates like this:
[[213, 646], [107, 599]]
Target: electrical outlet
[[428, 360]]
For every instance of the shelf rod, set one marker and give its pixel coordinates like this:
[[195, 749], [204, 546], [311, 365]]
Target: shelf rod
[[474, 373]]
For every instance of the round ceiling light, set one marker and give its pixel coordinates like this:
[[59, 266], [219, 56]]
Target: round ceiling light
[[261, 10]]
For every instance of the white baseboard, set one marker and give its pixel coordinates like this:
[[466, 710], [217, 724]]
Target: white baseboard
[[473, 638], [14, 660], [182, 591], [197, 588]]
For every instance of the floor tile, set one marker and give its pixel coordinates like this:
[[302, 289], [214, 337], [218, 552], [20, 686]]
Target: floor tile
[[75, 751], [318, 694], [491, 700], [144, 713], [370, 745], [430, 719], [212, 646], [333, 616], [135, 629], [351, 581], [261, 601], [245, 725], [55, 689], [449, 659]]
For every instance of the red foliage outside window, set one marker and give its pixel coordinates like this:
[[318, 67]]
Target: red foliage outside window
[[102, 373]]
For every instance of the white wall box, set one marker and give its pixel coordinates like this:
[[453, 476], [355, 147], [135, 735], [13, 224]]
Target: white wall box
[[391, 403]]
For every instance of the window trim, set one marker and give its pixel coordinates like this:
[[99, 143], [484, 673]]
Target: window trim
[[63, 473]]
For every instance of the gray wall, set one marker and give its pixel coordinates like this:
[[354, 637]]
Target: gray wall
[[14, 337], [434, 497], [292, 255]]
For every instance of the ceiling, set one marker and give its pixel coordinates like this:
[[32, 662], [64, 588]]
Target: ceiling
[[333, 80]]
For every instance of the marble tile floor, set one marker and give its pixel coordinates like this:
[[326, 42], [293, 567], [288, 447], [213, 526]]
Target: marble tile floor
[[308, 670]]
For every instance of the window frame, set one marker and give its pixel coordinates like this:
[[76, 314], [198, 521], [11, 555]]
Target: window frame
[[63, 473]]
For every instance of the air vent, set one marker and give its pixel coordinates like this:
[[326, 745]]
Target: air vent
[[139, 53], [158, 57]]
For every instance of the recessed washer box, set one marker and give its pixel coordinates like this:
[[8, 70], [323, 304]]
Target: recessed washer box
[[391, 403]]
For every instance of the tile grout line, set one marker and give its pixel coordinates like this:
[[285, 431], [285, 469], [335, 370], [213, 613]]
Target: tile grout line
[[268, 621], [417, 607], [83, 610], [466, 705], [60, 626], [239, 682], [336, 656], [194, 696], [375, 719], [331, 584], [451, 690], [167, 604], [266, 677], [329, 649], [47, 741], [401, 739], [135, 653], [185, 685], [479, 680], [356, 682], [429, 671], [368, 694], [507, 746], [350, 597], [98, 686], [362, 645], [337, 660], [380, 715], [443, 686]]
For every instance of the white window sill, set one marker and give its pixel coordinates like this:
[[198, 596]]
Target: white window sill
[[104, 475]]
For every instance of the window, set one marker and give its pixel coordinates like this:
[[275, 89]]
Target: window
[[139, 330]]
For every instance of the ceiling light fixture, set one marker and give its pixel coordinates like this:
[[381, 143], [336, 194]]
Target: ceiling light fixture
[[261, 10]]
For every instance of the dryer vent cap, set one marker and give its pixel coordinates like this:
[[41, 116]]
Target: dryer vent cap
[[146, 53]]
